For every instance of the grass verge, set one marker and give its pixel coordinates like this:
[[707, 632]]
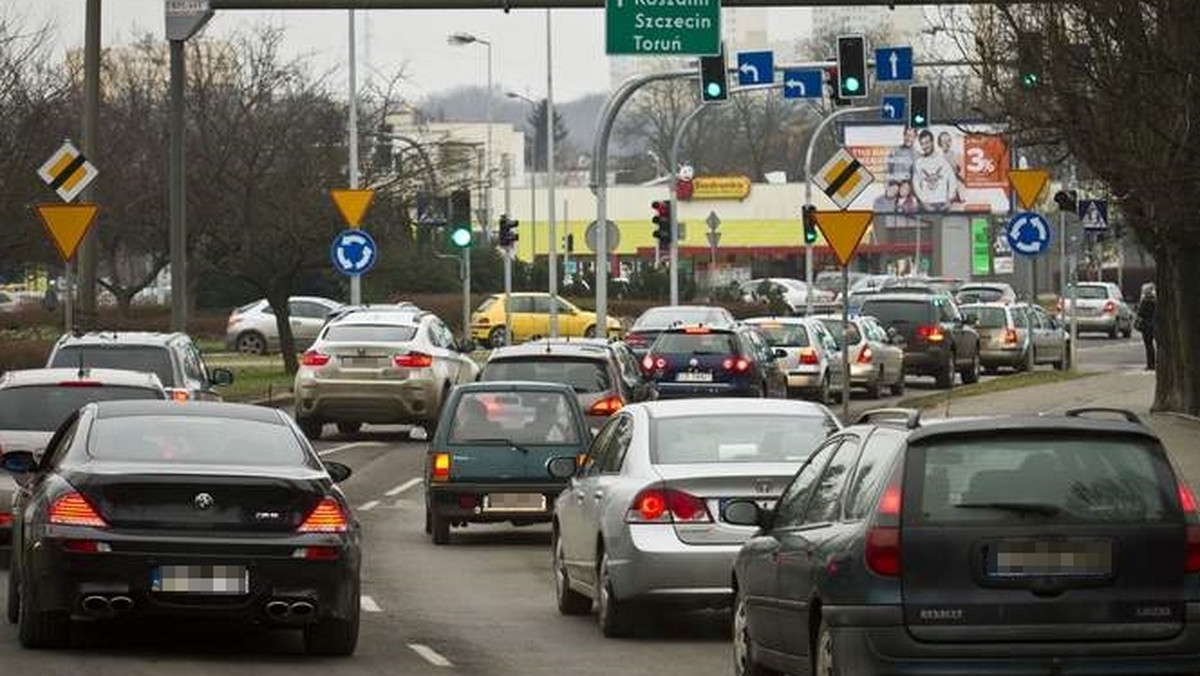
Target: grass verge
[[1012, 382], [251, 383]]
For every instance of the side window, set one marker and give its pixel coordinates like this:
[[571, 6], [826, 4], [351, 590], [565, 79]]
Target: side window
[[614, 457], [875, 332], [63, 438], [541, 305], [521, 304], [1023, 319], [826, 502], [437, 334], [596, 453], [759, 345], [871, 473], [946, 311], [193, 368], [307, 310], [790, 510], [563, 307]]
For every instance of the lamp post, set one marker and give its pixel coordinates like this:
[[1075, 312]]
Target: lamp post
[[532, 182], [461, 40]]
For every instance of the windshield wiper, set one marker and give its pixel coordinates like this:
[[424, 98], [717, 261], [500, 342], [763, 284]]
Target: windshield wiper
[[498, 441], [1042, 508]]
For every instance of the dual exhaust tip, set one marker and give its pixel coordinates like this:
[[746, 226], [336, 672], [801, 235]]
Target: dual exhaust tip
[[104, 604], [277, 609], [290, 609]]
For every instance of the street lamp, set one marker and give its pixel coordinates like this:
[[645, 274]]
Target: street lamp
[[462, 40], [532, 181]]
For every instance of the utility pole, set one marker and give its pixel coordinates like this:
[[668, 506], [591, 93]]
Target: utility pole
[[508, 251], [674, 210], [352, 132], [89, 251], [553, 243]]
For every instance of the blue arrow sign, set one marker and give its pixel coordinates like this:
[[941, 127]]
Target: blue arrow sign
[[803, 84], [1093, 214], [893, 107], [1028, 234], [755, 68], [893, 64], [353, 252]]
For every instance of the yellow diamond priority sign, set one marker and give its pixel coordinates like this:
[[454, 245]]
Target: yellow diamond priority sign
[[843, 230], [843, 178], [67, 224], [67, 172], [352, 204]]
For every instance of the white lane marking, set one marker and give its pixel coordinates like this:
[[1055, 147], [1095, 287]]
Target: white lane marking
[[368, 506], [343, 447], [368, 604], [430, 655], [403, 487]]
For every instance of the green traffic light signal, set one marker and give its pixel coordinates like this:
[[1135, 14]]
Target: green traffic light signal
[[852, 84], [1029, 80], [713, 90], [461, 237]]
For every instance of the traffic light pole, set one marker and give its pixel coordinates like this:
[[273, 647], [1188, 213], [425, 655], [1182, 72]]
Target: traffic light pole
[[508, 254], [673, 168], [808, 160]]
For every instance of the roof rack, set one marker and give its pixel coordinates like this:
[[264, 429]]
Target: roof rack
[[1129, 416], [910, 416]]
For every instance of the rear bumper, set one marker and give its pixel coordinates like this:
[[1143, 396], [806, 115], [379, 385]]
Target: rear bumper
[[389, 402], [1095, 323], [463, 502], [872, 641], [653, 565], [1013, 356], [804, 380], [929, 361], [667, 390]]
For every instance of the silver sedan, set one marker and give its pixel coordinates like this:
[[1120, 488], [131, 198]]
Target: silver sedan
[[640, 522]]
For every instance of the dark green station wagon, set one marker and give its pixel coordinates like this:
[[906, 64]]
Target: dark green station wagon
[[489, 460]]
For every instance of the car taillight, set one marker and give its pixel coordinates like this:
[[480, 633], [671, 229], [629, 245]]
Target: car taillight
[[931, 332], [738, 365], [667, 505], [882, 551], [809, 356], [441, 467], [650, 363], [1187, 502], [606, 406], [179, 395], [1010, 336], [5, 519], [1110, 307], [73, 509], [317, 553], [327, 517], [413, 360], [865, 355], [86, 546], [482, 321], [313, 358]]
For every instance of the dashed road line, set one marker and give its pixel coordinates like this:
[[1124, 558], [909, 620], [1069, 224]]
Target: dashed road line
[[368, 506], [403, 487], [430, 655], [368, 604], [343, 447]]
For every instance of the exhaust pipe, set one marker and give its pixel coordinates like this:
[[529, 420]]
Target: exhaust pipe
[[95, 604], [301, 609], [277, 609], [121, 604]]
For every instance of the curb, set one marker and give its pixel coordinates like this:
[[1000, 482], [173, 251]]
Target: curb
[[278, 401], [928, 400], [1181, 416]]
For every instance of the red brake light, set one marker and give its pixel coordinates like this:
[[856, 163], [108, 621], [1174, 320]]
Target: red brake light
[[1187, 502], [327, 517], [413, 360], [441, 467], [1110, 307], [6, 519], [606, 406], [697, 330], [882, 551], [931, 332], [314, 358], [317, 553], [738, 365], [1010, 336], [865, 355], [81, 383], [655, 505], [86, 546], [809, 356], [73, 509]]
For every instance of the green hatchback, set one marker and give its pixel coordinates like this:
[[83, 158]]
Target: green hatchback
[[488, 461]]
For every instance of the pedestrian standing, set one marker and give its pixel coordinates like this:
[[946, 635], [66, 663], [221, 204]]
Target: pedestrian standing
[[1145, 323]]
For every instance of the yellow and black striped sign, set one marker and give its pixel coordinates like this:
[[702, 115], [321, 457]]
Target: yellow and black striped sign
[[68, 172], [843, 178]]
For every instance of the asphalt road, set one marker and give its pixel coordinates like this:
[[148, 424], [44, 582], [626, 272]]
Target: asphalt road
[[483, 605]]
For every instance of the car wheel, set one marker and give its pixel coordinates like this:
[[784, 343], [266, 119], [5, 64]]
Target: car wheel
[[590, 332], [349, 427], [497, 337], [823, 393], [1128, 332], [252, 342], [440, 527], [570, 602], [971, 375], [334, 636], [14, 597], [899, 386], [945, 377], [1114, 331], [311, 427], [744, 663], [42, 629], [825, 662], [612, 614], [1064, 362]]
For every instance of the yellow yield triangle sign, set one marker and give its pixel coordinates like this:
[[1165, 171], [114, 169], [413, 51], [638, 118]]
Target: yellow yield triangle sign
[[67, 224], [1028, 184], [352, 204], [843, 230]]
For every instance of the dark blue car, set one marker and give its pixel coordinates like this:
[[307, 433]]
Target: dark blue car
[[703, 361]]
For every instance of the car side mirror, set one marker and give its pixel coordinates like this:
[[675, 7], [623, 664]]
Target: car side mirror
[[745, 513], [466, 345], [221, 377], [337, 471], [562, 467], [779, 353], [19, 463]]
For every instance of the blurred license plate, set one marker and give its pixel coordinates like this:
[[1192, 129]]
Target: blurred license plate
[[764, 505], [514, 502], [1040, 558], [226, 580], [360, 362], [693, 377]]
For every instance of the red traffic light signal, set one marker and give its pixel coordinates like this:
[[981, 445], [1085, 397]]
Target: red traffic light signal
[[662, 222]]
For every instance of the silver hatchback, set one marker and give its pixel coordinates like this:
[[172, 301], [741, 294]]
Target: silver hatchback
[[641, 521], [252, 328]]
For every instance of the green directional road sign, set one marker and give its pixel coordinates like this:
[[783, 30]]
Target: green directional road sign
[[981, 247], [663, 27]]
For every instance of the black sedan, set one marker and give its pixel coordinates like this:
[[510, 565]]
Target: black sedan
[[218, 512]]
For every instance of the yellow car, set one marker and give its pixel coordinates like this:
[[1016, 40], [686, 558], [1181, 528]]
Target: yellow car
[[530, 315]]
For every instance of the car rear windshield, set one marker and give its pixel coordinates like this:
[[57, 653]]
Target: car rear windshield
[[42, 408], [890, 312], [987, 317], [784, 335], [837, 328], [695, 343], [738, 438], [978, 295], [195, 440], [144, 358], [653, 320], [583, 375], [1020, 479], [1091, 292], [370, 333], [522, 418], [483, 307]]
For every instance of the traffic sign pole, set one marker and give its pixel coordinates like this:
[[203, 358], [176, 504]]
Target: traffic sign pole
[[352, 132], [674, 169]]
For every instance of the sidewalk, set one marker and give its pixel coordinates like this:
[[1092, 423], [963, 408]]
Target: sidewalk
[[1132, 390]]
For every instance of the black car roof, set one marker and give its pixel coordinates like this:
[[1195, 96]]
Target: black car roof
[[199, 409], [1027, 424]]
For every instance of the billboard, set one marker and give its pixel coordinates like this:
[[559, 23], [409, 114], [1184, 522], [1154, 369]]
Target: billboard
[[924, 172]]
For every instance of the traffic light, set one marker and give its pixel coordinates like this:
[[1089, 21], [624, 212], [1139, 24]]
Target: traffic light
[[852, 67], [569, 243], [1067, 200], [810, 224], [662, 223], [714, 81], [1029, 60], [918, 106], [460, 236], [831, 83], [508, 231], [460, 208]]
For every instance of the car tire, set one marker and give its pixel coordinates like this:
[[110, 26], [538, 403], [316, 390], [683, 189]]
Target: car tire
[[899, 386], [823, 392], [251, 342], [744, 663], [439, 529], [945, 377], [348, 428], [1064, 362], [1114, 331], [590, 331], [971, 375], [612, 614], [311, 427], [569, 601], [1128, 332], [14, 597], [825, 661], [332, 636], [496, 337], [42, 629]]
